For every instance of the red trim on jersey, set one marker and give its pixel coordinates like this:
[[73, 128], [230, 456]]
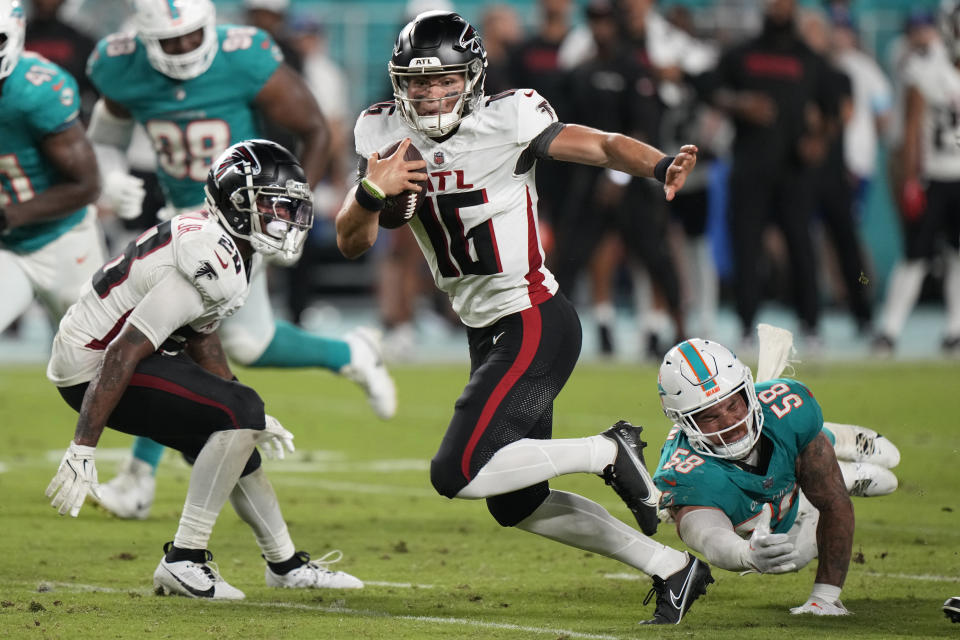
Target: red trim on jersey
[[535, 289], [532, 331], [153, 382], [101, 343]]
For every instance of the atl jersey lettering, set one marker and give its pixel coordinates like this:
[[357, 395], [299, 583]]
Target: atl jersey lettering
[[189, 122], [478, 226], [791, 420], [186, 272], [935, 77], [38, 99]]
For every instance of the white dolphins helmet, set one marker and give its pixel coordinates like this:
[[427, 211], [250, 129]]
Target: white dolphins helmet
[[157, 20], [12, 26], [697, 374]]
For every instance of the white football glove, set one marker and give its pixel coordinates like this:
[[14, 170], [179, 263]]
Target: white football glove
[[274, 439], [76, 477], [124, 194], [824, 600], [771, 552]]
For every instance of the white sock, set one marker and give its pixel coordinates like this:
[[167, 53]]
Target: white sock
[[528, 461], [584, 524], [951, 295], [256, 503], [214, 475], [902, 293]]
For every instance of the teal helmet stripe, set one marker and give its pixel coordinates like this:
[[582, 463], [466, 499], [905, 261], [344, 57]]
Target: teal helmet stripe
[[174, 11], [697, 364]]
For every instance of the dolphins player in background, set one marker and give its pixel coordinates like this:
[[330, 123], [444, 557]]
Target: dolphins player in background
[[750, 472], [50, 242], [196, 88]]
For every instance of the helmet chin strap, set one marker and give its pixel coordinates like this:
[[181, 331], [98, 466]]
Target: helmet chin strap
[[440, 124]]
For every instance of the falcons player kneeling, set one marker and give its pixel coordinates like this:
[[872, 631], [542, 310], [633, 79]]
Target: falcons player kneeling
[[138, 352]]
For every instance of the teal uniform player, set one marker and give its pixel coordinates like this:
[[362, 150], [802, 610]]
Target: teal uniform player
[[38, 99], [791, 420], [49, 241], [191, 121]]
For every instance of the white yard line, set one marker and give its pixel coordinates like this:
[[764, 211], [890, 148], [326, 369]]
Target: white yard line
[[363, 613]]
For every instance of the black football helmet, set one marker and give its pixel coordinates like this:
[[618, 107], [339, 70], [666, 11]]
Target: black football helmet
[[438, 43], [259, 192]]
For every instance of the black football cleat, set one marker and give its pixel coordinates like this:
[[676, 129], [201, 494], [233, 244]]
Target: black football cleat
[[951, 608], [676, 594], [629, 477]]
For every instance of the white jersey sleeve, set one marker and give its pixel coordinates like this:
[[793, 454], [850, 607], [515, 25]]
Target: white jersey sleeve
[[209, 260], [534, 114]]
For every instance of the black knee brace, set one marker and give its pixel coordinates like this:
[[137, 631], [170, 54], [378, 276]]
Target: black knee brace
[[508, 509]]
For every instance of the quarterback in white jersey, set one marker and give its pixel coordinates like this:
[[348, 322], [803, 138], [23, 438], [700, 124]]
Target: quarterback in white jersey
[[139, 353], [929, 186], [478, 231]]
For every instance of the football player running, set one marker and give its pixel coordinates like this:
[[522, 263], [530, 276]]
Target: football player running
[[143, 334], [750, 472], [478, 231], [50, 242], [197, 88]]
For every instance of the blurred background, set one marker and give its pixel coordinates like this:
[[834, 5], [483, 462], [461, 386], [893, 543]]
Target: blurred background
[[639, 286]]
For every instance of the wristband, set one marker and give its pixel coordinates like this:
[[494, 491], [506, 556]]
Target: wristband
[[660, 171], [3, 220], [367, 200], [373, 189]]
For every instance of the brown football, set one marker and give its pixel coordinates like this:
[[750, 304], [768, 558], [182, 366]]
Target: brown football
[[401, 208]]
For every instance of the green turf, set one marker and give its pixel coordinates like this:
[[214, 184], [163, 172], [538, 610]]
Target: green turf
[[61, 577]]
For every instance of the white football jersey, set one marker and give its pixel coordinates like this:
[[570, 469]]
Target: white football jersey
[[938, 80], [478, 226], [186, 272]]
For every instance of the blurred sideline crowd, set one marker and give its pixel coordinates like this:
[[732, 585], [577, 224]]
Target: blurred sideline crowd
[[790, 122]]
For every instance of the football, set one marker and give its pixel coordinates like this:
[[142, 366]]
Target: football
[[401, 208]]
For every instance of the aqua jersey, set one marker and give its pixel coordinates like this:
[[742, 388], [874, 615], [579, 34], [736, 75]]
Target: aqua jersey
[[189, 122], [791, 420], [37, 99]]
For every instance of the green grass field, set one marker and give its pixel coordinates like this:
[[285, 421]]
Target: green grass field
[[444, 569]]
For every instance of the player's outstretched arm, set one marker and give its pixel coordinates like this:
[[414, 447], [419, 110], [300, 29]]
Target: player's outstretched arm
[[72, 154], [821, 481], [710, 532], [286, 100], [120, 359], [585, 145]]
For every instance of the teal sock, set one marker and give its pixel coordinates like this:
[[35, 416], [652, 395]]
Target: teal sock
[[148, 451], [293, 347], [832, 438]]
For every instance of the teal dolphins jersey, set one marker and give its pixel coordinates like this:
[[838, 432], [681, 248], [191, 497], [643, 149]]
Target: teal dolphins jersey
[[37, 99], [791, 420], [190, 121]]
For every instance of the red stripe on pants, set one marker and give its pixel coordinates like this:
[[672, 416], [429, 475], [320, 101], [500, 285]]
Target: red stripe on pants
[[532, 328], [153, 382]]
